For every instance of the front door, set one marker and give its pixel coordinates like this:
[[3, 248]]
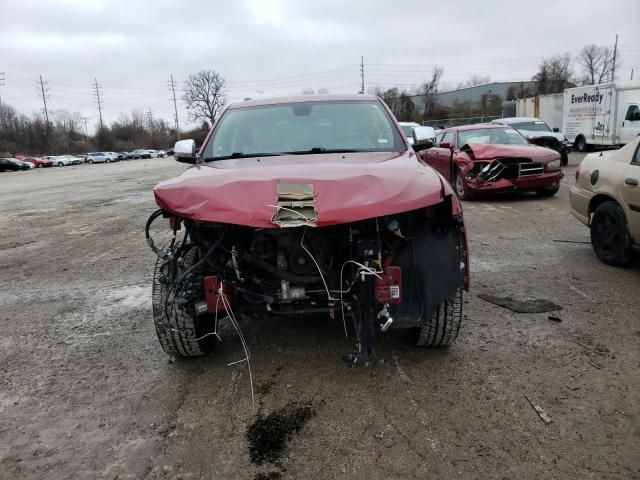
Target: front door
[[630, 127], [631, 195]]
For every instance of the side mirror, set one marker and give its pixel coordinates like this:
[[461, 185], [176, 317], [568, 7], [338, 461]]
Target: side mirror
[[556, 129], [445, 145], [420, 134], [185, 151]]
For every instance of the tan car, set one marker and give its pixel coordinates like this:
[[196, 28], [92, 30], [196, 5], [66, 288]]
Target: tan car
[[606, 198]]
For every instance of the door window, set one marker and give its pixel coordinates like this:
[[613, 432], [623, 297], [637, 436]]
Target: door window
[[448, 137], [632, 112]]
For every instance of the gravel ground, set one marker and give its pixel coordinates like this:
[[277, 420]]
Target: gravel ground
[[86, 391]]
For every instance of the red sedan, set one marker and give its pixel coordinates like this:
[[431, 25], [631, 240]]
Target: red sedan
[[39, 162], [479, 159]]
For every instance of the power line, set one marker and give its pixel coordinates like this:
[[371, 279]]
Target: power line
[[44, 101], [96, 94], [172, 84]]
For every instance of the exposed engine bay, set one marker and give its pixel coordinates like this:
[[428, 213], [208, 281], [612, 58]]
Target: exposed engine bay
[[371, 275]]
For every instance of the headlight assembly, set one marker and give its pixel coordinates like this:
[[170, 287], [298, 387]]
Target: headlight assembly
[[554, 165]]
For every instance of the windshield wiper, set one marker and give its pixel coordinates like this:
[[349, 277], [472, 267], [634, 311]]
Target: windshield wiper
[[315, 150], [243, 155]]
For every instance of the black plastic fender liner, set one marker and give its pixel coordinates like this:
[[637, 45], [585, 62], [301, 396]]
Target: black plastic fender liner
[[431, 262]]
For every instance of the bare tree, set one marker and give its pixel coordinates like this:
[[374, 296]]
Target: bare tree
[[308, 91], [554, 74], [205, 95], [429, 89], [323, 91], [596, 64]]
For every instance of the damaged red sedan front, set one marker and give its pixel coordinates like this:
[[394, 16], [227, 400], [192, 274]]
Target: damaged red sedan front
[[489, 159], [308, 206]]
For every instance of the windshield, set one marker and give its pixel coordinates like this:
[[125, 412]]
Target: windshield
[[491, 136], [532, 126], [304, 127]]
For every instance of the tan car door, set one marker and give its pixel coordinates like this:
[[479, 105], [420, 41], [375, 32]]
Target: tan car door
[[631, 194]]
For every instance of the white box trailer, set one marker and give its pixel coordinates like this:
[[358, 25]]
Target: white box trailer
[[547, 108], [604, 114]]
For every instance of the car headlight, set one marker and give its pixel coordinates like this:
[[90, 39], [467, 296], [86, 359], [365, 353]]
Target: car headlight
[[554, 164]]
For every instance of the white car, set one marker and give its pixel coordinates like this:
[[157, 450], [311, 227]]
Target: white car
[[64, 160], [407, 129], [152, 153], [99, 157], [539, 133], [162, 154]]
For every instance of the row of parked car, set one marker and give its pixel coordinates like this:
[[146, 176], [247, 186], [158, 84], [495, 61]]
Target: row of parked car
[[22, 162]]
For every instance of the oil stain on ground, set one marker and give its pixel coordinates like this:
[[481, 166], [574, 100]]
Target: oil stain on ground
[[270, 435]]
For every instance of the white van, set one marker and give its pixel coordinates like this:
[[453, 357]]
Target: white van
[[604, 114]]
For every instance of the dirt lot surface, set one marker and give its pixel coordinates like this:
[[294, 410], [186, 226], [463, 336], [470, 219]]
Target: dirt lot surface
[[86, 391]]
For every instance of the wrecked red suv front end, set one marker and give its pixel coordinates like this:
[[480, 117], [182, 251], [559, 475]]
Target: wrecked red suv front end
[[363, 234]]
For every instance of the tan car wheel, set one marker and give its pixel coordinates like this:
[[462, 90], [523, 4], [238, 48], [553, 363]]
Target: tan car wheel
[[610, 235]]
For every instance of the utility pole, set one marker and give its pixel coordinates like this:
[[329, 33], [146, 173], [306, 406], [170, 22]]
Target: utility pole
[[615, 52], [172, 84], [44, 101], [632, 74], [98, 101], [86, 128], [2, 80], [362, 74], [149, 114]]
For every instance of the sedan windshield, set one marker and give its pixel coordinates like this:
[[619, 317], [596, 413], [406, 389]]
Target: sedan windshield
[[491, 136], [532, 126], [304, 128]]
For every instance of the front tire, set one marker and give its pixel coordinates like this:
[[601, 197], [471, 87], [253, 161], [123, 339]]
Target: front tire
[[442, 328], [581, 144], [459, 186], [60, 164], [179, 332], [610, 235], [564, 157]]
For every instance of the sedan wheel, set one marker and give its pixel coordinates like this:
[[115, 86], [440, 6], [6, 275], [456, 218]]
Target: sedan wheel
[[458, 185], [90, 162], [60, 164], [108, 160], [610, 235]]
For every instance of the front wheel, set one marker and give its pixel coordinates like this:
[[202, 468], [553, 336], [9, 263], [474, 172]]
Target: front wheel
[[442, 328], [180, 331], [60, 164], [90, 162], [564, 157], [610, 235], [459, 186], [581, 144]]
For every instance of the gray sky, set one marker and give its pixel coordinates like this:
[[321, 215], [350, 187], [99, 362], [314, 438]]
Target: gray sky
[[281, 47]]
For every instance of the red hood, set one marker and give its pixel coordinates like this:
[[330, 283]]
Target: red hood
[[346, 187], [488, 152]]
